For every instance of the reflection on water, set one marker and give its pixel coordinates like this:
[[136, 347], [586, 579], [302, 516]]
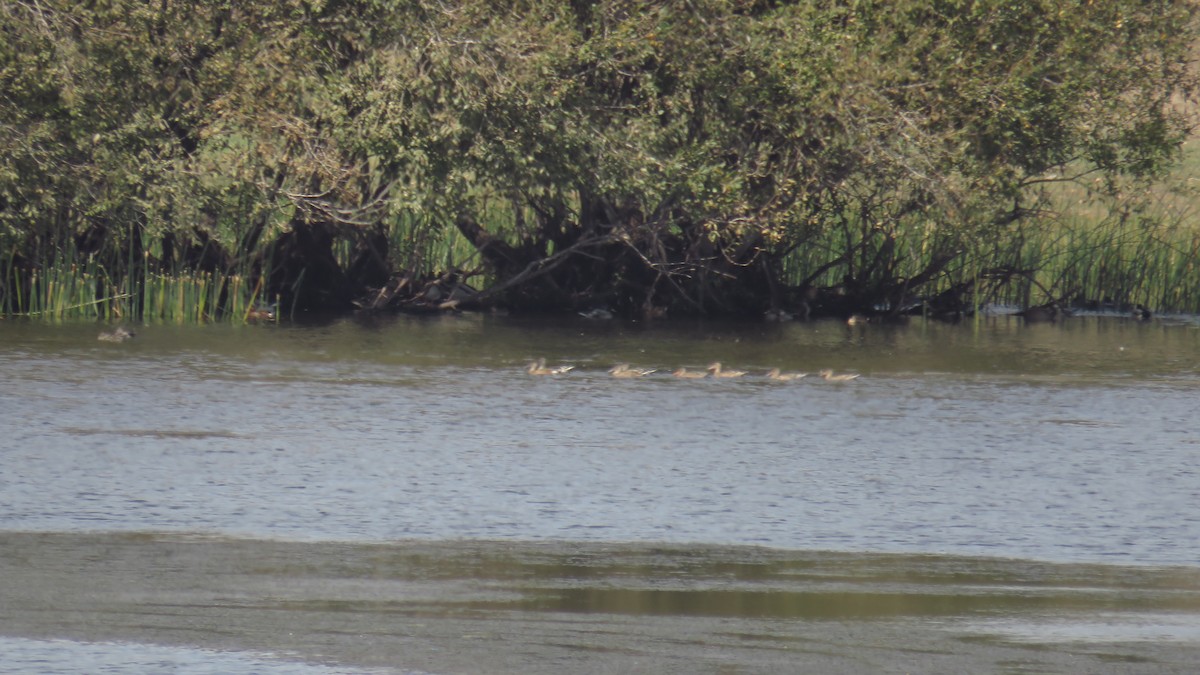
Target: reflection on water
[[1101, 627], [382, 602], [768, 583], [1073, 441], [63, 657]]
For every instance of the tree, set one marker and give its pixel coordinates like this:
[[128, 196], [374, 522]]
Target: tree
[[682, 151], [704, 155]]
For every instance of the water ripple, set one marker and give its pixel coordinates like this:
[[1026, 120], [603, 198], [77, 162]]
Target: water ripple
[[334, 445]]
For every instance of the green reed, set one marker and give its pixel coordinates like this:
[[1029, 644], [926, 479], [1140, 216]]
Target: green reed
[[1145, 260], [61, 286], [424, 247], [67, 286], [1153, 260]]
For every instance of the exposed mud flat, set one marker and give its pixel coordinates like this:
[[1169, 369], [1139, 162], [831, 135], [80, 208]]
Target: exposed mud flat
[[553, 607]]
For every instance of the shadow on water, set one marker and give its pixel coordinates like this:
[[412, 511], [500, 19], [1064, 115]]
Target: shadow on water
[[740, 582], [996, 345], [430, 578]]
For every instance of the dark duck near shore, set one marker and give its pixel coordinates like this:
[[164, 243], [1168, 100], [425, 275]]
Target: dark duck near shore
[[118, 334]]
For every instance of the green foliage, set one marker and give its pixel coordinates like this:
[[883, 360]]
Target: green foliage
[[706, 154]]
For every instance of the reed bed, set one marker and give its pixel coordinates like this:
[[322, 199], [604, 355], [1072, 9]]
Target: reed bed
[[423, 248], [1149, 256], [1152, 260], [1124, 262], [61, 288], [1128, 263]]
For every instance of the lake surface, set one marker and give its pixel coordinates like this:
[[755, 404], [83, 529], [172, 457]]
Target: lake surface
[[63, 656], [1074, 442], [1069, 442]]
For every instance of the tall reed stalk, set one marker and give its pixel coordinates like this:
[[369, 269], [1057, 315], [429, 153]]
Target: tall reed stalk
[[70, 286], [1152, 260]]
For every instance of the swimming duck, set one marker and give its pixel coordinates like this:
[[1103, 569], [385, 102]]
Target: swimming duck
[[830, 377], [857, 320], [775, 374], [717, 371], [686, 374], [624, 371], [261, 313], [539, 368], [118, 334]]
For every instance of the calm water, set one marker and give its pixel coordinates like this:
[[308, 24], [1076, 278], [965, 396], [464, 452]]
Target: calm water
[[1072, 442], [62, 656]]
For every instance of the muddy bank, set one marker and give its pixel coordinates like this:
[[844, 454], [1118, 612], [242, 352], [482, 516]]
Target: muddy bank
[[497, 608]]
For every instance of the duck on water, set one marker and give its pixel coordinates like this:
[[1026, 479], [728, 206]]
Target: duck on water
[[118, 334], [539, 368], [776, 374], [719, 372], [623, 370], [830, 376]]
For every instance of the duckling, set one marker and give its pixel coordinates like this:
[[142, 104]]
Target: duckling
[[686, 374], [623, 370], [118, 334], [775, 374], [539, 368], [717, 371], [830, 377]]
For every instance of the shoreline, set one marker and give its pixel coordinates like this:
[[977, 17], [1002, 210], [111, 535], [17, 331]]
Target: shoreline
[[550, 607]]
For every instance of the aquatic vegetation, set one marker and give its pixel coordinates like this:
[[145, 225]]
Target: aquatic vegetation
[[189, 162], [71, 286], [1091, 260]]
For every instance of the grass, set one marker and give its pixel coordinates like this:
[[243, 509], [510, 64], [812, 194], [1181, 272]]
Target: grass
[[71, 286], [1148, 256]]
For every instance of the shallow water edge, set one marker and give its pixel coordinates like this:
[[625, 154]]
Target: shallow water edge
[[588, 607]]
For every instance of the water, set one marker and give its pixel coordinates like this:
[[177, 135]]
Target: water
[[1073, 442], [1068, 443], [63, 656]]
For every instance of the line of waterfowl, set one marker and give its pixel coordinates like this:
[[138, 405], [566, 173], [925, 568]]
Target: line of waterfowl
[[714, 370]]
